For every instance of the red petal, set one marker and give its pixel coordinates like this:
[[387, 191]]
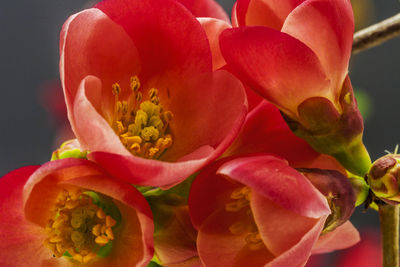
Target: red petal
[[21, 241], [265, 131], [92, 44], [342, 237], [277, 181], [266, 13], [167, 36], [278, 66], [205, 8], [334, 23], [280, 228], [213, 28]]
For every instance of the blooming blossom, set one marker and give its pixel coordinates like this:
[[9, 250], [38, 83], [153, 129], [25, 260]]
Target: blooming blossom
[[141, 93], [70, 212]]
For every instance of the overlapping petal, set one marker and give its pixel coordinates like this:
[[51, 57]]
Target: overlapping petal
[[288, 230], [334, 22], [265, 131], [275, 64], [264, 12]]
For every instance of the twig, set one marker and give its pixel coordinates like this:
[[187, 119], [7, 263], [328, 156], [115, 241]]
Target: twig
[[389, 217], [376, 34]]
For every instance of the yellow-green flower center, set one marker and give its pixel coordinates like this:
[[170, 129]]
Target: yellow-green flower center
[[142, 126], [79, 228]]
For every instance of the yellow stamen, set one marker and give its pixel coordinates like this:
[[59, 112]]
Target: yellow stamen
[[135, 83], [143, 126], [79, 227]]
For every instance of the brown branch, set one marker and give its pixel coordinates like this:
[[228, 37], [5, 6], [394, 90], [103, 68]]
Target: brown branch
[[376, 34], [389, 217]]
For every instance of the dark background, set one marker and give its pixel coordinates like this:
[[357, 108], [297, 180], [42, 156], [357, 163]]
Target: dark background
[[29, 36]]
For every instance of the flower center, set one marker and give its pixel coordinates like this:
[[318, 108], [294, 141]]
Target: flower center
[[80, 229], [247, 227], [142, 126]]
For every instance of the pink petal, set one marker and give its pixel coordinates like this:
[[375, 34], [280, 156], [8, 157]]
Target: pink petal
[[265, 131], [167, 36], [205, 8], [342, 237], [270, 13], [21, 240], [206, 121], [217, 246], [276, 65], [212, 185], [280, 228], [89, 126], [92, 44], [298, 254], [334, 23], [274, 179], [213, 28]]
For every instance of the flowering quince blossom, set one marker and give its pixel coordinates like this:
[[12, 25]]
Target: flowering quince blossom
[[70, 212], [260, 211], [275, 51], [141, 92], [267, 233]]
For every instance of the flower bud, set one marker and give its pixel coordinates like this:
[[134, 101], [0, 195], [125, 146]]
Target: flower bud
[[383, 178], [69, 149], [338, 191]]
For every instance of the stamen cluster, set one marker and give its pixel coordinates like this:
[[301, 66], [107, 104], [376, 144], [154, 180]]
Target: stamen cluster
[[79, 228], [143, 127]]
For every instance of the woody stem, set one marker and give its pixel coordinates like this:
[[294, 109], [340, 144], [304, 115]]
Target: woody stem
[[389, 217], [376, 34]]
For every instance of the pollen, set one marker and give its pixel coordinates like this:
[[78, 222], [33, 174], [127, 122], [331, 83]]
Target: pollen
[[141, 124], [79, 228]]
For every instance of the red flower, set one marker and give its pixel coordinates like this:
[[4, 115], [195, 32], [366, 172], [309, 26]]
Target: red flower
[[295, 54], [69, 211], [257, 210], [140, 91]]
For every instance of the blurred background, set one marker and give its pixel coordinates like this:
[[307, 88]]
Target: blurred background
[[29, 36]]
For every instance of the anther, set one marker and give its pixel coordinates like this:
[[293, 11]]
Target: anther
[[100, 213], [135, 83], [116, 89], [101, 240]]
